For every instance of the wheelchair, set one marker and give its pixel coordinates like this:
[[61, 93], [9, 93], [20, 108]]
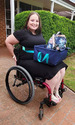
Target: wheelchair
[[20, 86]]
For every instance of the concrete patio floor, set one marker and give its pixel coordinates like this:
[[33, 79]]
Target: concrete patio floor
[[12, 113]]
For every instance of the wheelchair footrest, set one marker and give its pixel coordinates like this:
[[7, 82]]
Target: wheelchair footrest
[[49, 103]]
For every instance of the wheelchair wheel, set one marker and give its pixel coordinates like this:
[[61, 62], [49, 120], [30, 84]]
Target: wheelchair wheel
[[20, 85]]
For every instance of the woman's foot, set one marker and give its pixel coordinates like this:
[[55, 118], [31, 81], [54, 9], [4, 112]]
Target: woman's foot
[[58, 96], [54, 99]]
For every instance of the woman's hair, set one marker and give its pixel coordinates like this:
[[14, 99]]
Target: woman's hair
[[38, 31]]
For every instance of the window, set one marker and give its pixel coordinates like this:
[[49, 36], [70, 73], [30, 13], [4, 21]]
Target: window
[[24, 7], [36, 8], [8, 16]]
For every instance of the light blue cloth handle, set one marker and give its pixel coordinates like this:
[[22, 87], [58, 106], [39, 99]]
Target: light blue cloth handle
[[23, 48], [28, 51], [39, 57]]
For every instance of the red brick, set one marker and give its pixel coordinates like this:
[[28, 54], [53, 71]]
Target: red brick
[[2, 23]]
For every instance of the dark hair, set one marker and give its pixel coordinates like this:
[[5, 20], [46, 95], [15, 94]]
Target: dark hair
[[38, 31]]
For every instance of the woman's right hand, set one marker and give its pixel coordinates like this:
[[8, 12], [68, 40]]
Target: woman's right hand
[[10, 41], [14, 57]]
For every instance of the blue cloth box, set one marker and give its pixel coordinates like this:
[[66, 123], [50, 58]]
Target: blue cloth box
[[48, 56]]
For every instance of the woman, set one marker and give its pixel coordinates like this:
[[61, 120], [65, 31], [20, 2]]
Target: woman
[[28, 37]]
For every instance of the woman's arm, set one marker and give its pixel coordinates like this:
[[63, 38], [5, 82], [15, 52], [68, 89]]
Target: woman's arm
[[10, 41]]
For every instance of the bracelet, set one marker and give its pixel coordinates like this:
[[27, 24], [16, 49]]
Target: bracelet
[[13, 56]]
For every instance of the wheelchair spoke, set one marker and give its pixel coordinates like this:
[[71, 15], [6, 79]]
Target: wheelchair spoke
[[19, 84], [14, 82]]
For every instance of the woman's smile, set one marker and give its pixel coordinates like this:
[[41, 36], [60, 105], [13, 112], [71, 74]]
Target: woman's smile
[[33, 23]]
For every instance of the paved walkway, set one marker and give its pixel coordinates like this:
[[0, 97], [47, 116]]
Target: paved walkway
[[12, 113]]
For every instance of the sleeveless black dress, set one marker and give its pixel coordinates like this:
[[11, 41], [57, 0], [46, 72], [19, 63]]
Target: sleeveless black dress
[[36, 69]]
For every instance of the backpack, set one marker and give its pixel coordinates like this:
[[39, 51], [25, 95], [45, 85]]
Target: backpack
[[57, 42]]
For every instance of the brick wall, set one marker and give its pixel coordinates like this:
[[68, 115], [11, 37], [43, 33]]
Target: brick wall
[[2, 23]]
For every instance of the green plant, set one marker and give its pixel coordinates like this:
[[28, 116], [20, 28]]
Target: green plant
[[51, 23], [69, 78]]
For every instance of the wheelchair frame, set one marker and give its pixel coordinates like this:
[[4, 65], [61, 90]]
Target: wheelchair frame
[[24, 78]]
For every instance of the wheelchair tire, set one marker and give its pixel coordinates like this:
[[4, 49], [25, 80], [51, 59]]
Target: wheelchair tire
[[20, 85]]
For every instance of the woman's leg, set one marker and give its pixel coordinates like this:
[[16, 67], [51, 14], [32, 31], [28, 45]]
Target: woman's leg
[[52, 83], [62, 73]]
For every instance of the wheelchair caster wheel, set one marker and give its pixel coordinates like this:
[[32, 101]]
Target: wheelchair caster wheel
[[40, 114], [53, 103]]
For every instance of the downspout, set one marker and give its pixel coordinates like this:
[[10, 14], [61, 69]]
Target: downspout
[[72, 15], [12, 15], [52, 6]]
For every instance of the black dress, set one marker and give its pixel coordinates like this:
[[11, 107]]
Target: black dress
[[36, 69]]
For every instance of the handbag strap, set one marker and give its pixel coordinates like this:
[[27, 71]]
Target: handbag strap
[[28, 51], [41, 59]]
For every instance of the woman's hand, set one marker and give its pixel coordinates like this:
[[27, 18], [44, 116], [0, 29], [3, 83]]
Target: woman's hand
[[10, 41], [14, 57]]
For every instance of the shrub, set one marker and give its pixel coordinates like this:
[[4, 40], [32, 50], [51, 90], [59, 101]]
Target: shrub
[[51, 23]]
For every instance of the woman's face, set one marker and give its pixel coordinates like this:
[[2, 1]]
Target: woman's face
[[33, 23]]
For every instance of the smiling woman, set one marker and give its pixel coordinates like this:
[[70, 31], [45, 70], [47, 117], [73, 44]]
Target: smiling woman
[[33, 23], [28, 37]]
